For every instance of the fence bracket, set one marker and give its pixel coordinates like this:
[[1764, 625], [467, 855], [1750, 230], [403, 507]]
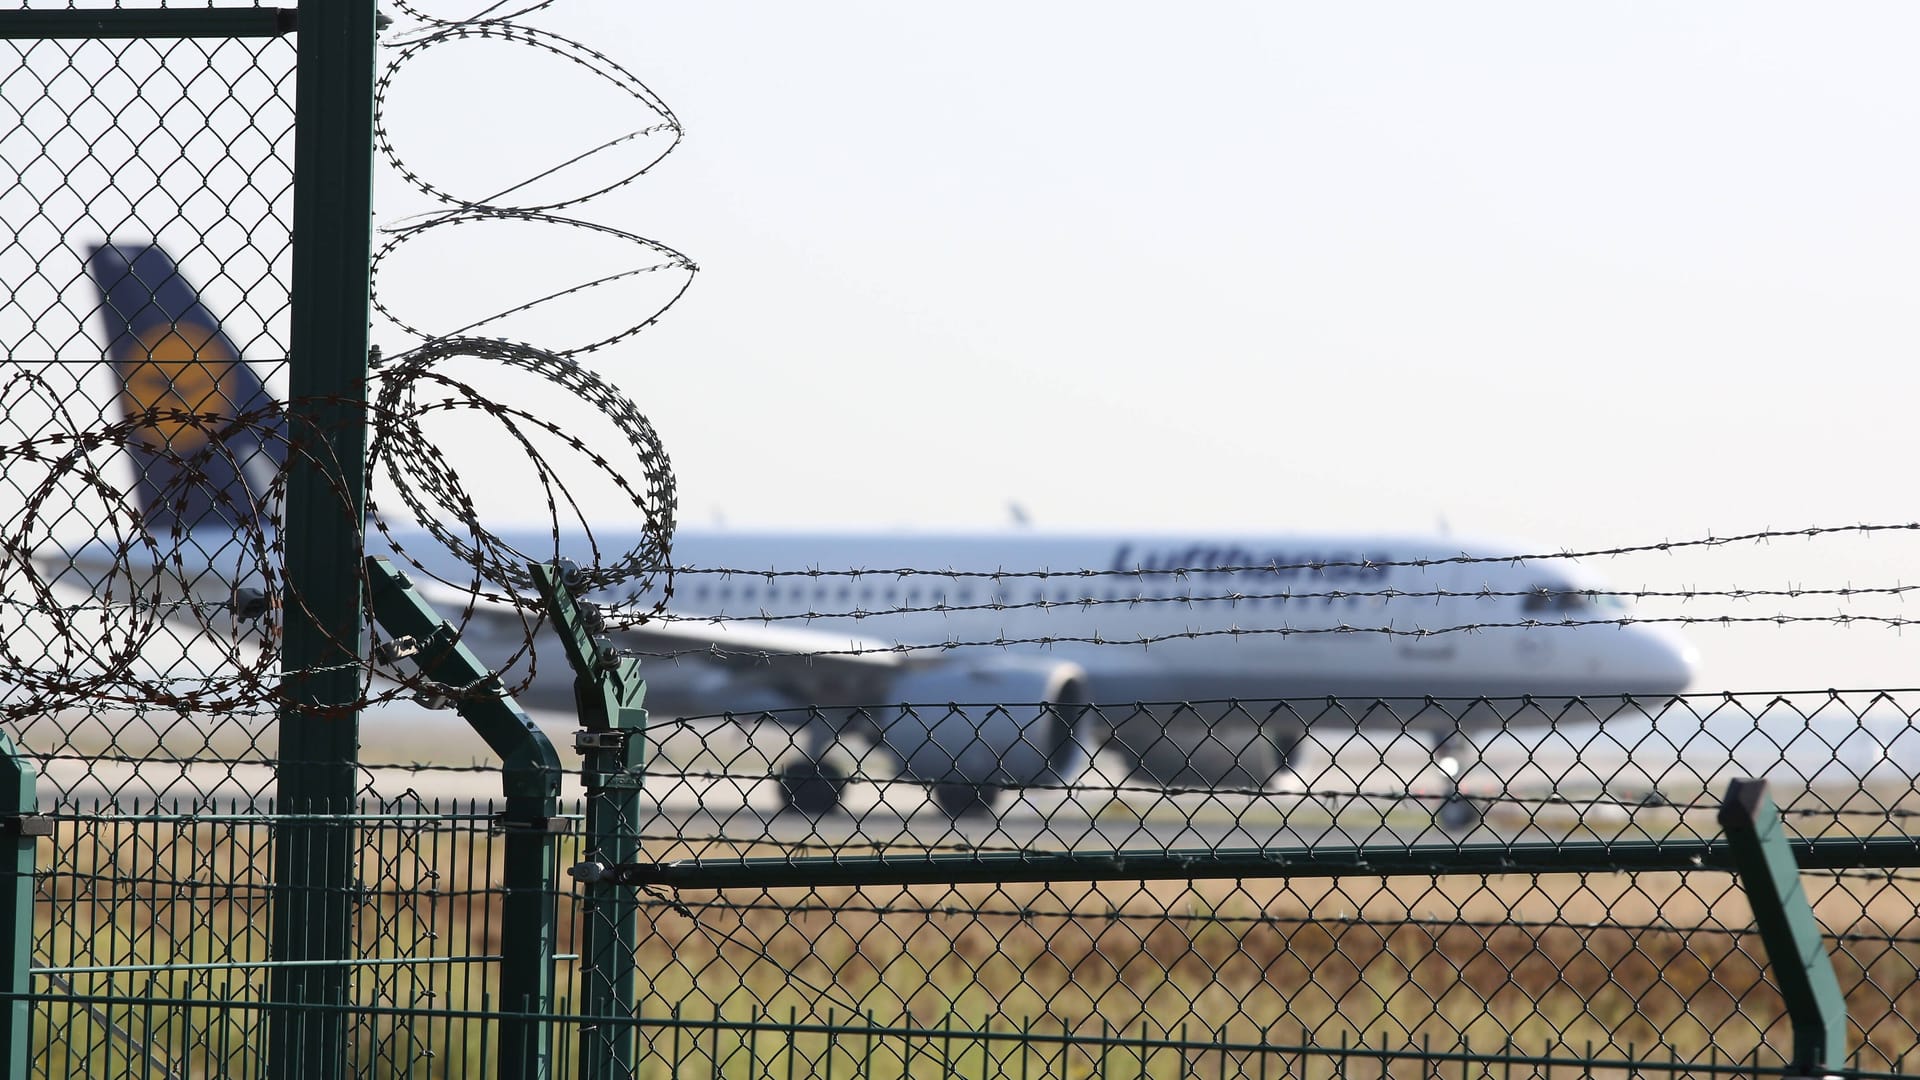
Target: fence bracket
[[615, 741], [531, 823], [26, 825], [608, 692], [1801, 965], [527, 757], [556, 825]]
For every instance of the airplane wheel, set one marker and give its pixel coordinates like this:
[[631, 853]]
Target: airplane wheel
[[812, 788], [958, 800], [1286, 748], [1457, 814], [1286, 751]]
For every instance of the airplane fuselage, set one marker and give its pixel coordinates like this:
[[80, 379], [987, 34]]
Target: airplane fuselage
[[1159, 618]]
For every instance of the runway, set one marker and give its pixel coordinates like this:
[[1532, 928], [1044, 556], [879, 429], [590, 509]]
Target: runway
[[1634, 775]]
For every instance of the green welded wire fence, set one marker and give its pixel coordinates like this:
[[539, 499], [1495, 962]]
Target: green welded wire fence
[[222, 872], [985, 978]]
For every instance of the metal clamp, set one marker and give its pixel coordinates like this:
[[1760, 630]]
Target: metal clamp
[[26, 825], [592, 619], [392, 652], [250, 603], [556, 825], [615, 739]]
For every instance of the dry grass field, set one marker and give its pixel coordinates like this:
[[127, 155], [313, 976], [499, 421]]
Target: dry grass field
[[152, 930], [1557, 965]]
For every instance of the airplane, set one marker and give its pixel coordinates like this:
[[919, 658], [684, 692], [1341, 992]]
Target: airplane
[[1268, 627]]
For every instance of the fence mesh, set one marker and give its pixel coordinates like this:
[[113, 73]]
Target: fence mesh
[[113, 145], [1008, 885], [1299, 928], [99, 139], [1314, 911]]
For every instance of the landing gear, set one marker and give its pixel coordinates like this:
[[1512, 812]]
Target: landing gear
[[1457, 814], [958, 799], [811, 787], [815, 782], [1452, 755], [1284, 744]]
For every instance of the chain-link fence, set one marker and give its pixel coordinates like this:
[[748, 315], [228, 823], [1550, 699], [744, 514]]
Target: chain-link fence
[[1014, 870], [1312, 925], [1324, 920], [117, 152], [159, 491]]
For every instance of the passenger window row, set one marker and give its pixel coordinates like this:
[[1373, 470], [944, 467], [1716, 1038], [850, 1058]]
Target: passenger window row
[[846, 595], [1543, 600]]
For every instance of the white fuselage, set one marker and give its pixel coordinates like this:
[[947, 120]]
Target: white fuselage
[[1282, 626]]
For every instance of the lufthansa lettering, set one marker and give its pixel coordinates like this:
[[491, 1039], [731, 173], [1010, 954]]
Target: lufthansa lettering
[[1335, 565]]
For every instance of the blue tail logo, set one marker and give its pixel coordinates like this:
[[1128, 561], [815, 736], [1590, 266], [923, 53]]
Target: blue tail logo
[[172, 358]]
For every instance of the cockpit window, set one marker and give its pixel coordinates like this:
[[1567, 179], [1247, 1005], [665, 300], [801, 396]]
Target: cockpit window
[[1542, 599]]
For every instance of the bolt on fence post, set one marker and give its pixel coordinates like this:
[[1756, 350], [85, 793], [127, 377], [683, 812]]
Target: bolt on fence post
[[608, 692], [313, 860], [1801, 965], [531, 778], [19, 818]]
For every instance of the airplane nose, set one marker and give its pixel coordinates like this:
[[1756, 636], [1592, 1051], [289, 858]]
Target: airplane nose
[[1666, 662]]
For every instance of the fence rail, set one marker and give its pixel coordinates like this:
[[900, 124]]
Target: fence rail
[[220, 871], [899, 941]]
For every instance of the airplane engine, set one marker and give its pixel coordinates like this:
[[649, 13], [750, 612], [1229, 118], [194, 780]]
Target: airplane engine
[[967, 732]]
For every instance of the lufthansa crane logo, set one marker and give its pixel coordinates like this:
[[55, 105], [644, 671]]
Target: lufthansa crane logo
[[174, 370]]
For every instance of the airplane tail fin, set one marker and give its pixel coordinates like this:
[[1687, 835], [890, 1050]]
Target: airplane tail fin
[[171, 357]]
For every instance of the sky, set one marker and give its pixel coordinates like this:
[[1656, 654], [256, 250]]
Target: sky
[[1575, 274], [1572, 276]]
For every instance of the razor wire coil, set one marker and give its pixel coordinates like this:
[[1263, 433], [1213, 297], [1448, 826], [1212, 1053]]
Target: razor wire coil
[[1437, 957]]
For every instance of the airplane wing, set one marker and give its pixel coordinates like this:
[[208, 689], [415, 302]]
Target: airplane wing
[[1029, 733], [173, 360], [788, 667], [740, 641], [791, 667]]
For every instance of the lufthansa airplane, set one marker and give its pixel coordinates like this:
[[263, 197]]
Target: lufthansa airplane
[[1253, 625]]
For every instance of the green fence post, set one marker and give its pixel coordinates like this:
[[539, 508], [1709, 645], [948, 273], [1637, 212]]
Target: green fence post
[[1795, 951], [608, 692], [20, 817], [326, 495], [531, 777]]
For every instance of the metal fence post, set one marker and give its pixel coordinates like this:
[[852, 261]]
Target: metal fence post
[[1801, 965], [20, 819], [608, 692], [531, 778], [326, 494], [612, 759]]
